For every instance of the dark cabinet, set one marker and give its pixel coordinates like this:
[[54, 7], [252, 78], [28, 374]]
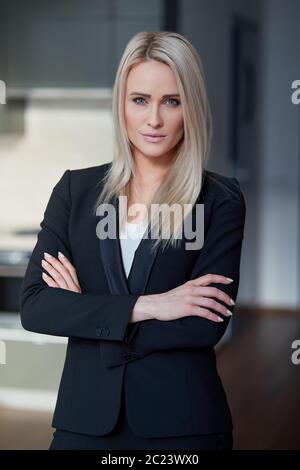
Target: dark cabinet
[[70, 43]]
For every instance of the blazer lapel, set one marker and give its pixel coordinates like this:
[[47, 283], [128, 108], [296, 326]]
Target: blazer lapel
[[111, 256]]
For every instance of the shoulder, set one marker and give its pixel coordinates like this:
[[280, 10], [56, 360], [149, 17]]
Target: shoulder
[[217, 188], [89, 176], [73, 181]]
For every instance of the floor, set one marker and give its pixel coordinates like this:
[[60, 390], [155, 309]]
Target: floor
[[261, 382]]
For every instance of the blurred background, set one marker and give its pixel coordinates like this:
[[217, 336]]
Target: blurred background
[[58, 61]]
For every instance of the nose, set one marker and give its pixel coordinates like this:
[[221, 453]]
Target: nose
[[154, 118]]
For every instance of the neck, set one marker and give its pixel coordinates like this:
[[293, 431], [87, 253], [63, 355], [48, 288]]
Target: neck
[[151, 171]]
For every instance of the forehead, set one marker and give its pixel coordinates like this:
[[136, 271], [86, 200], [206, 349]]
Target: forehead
[[151, 76]]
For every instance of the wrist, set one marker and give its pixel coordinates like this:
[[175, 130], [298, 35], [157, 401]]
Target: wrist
[[145, 307]]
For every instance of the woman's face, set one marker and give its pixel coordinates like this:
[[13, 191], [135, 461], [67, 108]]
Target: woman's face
[[148, 111]]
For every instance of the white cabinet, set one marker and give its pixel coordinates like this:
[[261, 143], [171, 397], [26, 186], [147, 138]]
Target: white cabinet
[[34, 362]]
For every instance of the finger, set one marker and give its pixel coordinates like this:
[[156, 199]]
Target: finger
[[49, 280], [210, 278], [213, 292], [69, 266], [52, 283], [60, 268], [212, 304], [57, 276], [203, 312]]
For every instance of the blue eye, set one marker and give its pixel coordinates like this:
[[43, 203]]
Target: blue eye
[[177, 102], [139, 98]]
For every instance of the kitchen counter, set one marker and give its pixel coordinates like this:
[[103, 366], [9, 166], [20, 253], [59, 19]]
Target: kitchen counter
[[11, 330], [18, 239]]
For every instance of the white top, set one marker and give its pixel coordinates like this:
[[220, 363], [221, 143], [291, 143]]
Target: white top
[[130, 239]]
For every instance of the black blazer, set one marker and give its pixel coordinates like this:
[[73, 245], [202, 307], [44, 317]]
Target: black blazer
[[168, 368]]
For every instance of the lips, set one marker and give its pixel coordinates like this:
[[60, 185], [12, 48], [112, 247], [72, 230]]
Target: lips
[[154, 138], [153, 135]]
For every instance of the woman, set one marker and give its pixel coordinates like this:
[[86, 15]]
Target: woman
[[142, 314]]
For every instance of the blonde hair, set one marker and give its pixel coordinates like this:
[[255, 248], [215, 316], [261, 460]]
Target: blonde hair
[[183, 182]]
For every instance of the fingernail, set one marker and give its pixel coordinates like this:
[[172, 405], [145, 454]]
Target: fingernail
[[47, 255], [232, 302], [220, 319], [44, 274], [229, 312], [229, 279], [60, 255]]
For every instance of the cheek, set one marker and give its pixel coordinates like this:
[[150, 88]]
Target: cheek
[[177, 124], [132, 118], [127, 115]]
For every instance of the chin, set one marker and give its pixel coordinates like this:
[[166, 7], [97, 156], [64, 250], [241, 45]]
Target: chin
[[154, 154]]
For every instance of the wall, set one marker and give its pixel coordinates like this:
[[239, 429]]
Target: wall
[[59, 134], [270, 257], [280, 207], [208, 25]]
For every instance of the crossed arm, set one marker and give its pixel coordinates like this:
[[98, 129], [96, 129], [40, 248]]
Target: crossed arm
[[64, 311], [220, 254], [55, 305]]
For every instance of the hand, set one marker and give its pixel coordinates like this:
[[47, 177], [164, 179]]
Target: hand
[[190, 298], [63, 273]]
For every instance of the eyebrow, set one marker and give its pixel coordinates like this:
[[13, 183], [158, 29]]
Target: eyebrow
[[149, 96]]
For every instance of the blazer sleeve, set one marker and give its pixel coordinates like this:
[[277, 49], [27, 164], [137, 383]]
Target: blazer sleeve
[[220, 254], [57, 311]]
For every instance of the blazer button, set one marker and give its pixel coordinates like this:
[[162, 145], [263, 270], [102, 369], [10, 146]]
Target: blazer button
[[106, 331], [99, 331], [127, 355], [130, 355]]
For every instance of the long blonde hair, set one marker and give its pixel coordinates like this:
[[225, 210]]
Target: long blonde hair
[[184, 179]]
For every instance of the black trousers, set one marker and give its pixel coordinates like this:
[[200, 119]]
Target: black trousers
[[123, 438]]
